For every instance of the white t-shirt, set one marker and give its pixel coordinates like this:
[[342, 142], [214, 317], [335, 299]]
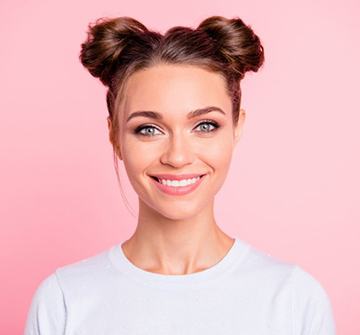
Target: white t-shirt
[[247, 292]]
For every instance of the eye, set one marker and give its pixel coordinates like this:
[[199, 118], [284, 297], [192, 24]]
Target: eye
[[208, 124], [149, 130]]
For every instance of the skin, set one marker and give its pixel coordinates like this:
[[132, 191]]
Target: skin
[[176, 235]]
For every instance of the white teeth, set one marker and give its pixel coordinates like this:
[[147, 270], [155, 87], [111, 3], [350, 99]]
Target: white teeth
[[179, 183]]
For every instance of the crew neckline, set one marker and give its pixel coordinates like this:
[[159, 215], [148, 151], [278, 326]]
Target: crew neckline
[[234, 256]]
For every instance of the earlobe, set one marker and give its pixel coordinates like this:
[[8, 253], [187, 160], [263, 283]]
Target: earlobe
[[111, 136], [239, 126], [110, 129]]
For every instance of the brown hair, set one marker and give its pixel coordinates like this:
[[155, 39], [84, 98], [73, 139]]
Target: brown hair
[[116, 48]]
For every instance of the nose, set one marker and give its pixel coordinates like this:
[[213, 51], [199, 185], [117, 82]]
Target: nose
[[179, 152]]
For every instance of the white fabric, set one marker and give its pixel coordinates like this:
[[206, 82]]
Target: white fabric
[[248, 292]]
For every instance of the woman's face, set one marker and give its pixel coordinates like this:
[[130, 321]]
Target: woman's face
[[174, 143]]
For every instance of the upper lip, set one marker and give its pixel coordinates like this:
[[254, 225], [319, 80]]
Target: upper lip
[[177, 177]]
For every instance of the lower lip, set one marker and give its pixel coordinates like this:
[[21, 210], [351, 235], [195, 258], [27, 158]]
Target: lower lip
[[179, 190]]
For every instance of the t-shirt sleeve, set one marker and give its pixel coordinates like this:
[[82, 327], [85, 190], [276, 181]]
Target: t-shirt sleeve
[[47, 313], [311, 306]]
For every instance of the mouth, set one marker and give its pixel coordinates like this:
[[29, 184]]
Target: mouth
[[178, 186], [158, 179]]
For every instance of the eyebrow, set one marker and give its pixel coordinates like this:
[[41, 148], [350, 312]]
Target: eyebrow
[[190, 115]]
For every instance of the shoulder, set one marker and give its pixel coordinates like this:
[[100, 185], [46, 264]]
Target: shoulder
[[85, 267], [47, 312], [294, 277], [84, 275], [48, 289], [261, 266], [311, 304], [291, 292], [306, 286], [54, 294]]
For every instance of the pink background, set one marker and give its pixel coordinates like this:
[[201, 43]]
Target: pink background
[[293, 187]]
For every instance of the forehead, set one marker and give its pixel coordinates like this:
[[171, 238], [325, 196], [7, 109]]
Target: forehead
[[175, 88]]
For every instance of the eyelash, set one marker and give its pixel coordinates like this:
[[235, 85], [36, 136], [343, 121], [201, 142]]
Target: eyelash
[[213, 123]]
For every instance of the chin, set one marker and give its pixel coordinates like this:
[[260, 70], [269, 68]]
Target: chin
[[179, 210]]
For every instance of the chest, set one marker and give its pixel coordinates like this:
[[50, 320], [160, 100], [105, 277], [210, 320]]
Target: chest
[[217, 311]]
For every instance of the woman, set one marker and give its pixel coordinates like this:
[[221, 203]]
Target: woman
[[174, 120]]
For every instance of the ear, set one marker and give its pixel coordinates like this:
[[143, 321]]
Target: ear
[[109, 126], [111, 138], [239, 127]]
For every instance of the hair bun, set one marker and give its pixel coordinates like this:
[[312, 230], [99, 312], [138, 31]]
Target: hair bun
[[236, 43], [106, 39]]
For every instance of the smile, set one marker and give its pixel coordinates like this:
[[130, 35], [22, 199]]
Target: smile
[[177, 186]]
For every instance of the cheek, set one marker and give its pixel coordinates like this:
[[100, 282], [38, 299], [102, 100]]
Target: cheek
[[217, 152], [218, 157], [137, 156]]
